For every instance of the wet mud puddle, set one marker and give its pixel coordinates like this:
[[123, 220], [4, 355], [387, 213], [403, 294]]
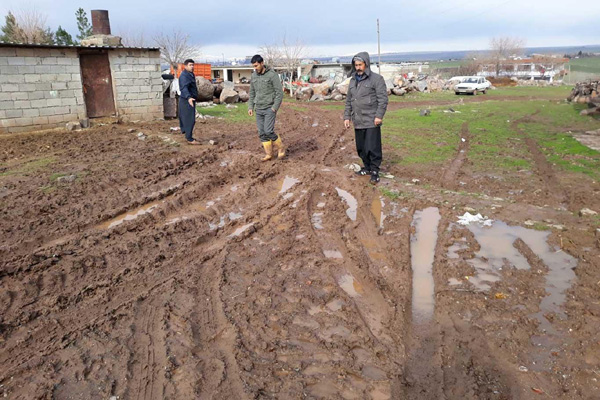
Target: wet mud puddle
[[497, 251], [130, 215], [423, 373], [422, 252], [350, 201]]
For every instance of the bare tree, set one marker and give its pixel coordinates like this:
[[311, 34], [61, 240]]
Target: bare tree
[[133, 38], [29, 26], [175, 47], [272, 54], [504, 47], [291, 55]]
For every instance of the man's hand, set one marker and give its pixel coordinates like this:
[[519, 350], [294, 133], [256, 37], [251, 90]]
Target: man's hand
[[191, 101], [378, 121], [274, 110], [346, 123], [250, 112]]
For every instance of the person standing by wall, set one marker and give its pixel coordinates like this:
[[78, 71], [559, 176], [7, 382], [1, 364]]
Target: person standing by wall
[[266, 95], [187, 101]]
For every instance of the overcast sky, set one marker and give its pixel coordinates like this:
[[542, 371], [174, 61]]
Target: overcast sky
[[238, 28]]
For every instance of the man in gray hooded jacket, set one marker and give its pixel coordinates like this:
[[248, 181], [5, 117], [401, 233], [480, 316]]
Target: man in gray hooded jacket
[[366, 103]]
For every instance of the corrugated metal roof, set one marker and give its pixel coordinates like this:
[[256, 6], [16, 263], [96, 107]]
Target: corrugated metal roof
[[66, 46]]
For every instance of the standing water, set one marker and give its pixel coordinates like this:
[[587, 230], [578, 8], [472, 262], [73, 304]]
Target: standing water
[[422, 251]]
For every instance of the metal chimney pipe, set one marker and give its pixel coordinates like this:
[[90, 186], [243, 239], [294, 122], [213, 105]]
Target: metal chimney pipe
[[100, 22]]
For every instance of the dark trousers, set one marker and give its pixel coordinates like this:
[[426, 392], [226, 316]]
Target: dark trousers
[[265, 122], [187, 118], [368, 146]]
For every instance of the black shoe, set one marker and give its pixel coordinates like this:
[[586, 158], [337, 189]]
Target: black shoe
[[374, 177], [363, 172]]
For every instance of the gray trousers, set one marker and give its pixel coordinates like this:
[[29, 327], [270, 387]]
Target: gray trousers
[[265, 121]]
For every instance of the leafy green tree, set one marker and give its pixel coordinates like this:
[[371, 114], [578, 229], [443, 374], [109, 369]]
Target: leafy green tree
[[63, 37], [9, 29], [85, 29]]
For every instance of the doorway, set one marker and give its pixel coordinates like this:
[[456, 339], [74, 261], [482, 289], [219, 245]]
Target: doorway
[[97, 84]]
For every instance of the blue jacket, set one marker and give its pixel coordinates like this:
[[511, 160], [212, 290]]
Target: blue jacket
[[187, 85]]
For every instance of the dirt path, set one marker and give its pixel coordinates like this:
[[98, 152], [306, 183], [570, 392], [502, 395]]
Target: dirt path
[[199, 272]]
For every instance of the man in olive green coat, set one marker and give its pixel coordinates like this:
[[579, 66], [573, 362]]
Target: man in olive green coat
[[266, 95]]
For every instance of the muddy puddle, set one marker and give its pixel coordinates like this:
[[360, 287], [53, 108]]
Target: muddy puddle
[[422, 252], [287, 183], [377, 207], [498, 251], [130, 215], [350, 201]]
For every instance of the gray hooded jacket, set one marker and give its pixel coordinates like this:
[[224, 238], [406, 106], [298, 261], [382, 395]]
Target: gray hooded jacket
[[367, 99]]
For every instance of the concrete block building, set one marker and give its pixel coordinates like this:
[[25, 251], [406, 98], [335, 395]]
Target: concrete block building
[[46, 86]]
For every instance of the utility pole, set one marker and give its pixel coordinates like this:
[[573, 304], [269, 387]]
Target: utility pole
[[378, 47]]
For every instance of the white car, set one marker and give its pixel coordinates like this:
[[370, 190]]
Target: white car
[[472, 84]]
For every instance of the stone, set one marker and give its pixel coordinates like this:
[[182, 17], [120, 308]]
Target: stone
[[230, 106], [421, 86], [212, 142], [228, 85], [218, 90], [66, 178], [398, 81], [206, 89], [71, 126], [321, 89], [244, 96], [102, 40], [338, 97], [399, 91], [130, 130], [205, 104], [425, 113], [229, 96], [317, 97], [141, 136], [587, 212], [304, 94], [85, 123], [389, 84]]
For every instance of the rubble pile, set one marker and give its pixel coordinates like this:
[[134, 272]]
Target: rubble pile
[[399, 85], [586, 93]]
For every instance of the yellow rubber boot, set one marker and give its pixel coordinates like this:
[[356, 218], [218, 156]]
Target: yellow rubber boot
[[279, 147], [268, 146]]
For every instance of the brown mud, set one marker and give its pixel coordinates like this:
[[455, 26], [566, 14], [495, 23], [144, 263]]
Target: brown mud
[[179, 272]]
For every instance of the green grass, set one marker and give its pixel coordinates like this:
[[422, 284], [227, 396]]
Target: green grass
[[550, 92], [298, 108], [447, 64], [29, 167], [236, 115], [589, 65], [394, 194], [418, 96], [333, 106]]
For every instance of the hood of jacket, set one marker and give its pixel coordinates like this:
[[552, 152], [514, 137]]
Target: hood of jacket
[[365, 56]]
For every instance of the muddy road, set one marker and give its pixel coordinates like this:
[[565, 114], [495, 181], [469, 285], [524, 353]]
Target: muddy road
[[139, 269]]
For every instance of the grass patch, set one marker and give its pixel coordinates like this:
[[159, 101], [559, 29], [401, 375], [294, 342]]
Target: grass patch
[[538, 226], [298, 108], [29, 167], [550, 92], [394, 194], [239, 114], [587, 64], [333, 107]]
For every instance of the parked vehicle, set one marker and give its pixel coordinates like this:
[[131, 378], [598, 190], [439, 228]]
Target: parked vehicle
[[472, 85]]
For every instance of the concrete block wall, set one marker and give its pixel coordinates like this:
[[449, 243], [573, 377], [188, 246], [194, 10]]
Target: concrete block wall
[[40, 88], [137, 82]]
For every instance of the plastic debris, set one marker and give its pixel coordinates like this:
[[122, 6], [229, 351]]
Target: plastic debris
[[469, 218]]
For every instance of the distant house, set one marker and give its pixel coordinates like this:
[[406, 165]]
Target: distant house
[[45, 86], [533, 68]]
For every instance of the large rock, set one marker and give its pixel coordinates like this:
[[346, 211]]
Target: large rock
[[229, 96], [321, 88], [399, 81], [228, 85], [244, 96], [337, 97], [304, 94], [343, 87], [317, 97], [206, 89], [399, 91], [421, 86], [218, 90], [389, 84]]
